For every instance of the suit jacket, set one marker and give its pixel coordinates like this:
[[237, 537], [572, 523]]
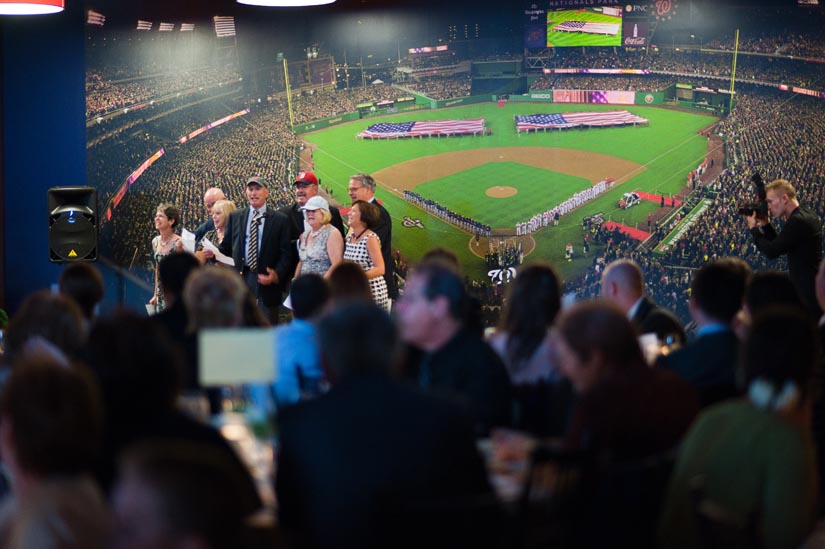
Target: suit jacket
[[203, 228], [709, 364], [801, 240], [384, 232], [650, 318], [350, 456], [275, 252]]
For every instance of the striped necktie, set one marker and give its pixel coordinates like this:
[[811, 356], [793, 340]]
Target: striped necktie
[[252, 244]]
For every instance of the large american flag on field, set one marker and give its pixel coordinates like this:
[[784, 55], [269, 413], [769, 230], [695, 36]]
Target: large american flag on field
[[385, 130], [588, 27], [573, 119]]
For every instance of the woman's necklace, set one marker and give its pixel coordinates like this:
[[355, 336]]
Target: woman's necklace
[[313, 234], [357, 236]]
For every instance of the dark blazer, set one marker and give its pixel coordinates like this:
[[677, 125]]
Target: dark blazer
[[708, 363], [275, 251], [801, 240], [384, 232], [348, 457], [650, 318], [202, 229]]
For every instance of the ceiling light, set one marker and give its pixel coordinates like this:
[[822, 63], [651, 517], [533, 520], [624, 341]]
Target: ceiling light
[[30, 7], [285, 3]]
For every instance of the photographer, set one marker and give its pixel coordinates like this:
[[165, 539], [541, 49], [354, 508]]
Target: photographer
[[800, 239]]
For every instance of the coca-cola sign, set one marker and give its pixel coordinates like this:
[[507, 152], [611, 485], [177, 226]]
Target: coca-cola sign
[[634, 33]]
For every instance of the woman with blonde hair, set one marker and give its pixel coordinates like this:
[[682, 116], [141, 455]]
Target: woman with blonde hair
[[321, 247], [220, 213]]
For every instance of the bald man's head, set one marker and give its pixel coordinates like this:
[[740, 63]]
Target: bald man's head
[[623, 283], [212, 195]]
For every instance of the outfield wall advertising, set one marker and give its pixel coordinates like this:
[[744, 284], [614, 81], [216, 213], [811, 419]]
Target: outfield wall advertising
[[325, 123], [587, 96], [461, 101]]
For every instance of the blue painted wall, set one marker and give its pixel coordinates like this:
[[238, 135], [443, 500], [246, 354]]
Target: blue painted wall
[[44, 145]]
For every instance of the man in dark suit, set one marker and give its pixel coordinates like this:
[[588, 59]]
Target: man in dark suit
[[623, 284], [362, 187], [267, 267], [709, 361], [374, 463], [800, 239]]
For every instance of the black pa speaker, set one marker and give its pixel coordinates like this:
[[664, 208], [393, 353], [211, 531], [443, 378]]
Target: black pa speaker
[[72, 224]]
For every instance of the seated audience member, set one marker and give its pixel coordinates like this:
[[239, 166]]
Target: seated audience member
[[50, 436], [473, 323], [83, 282], [452, 361], [522, 340], [173, 271], [765, 289], [176, 494], [354, 462], [625, 409], [347, 282], [623, 284], [138, 372], [754, 456], [214, 298], [298, 362], [53, 317], [709, 361]]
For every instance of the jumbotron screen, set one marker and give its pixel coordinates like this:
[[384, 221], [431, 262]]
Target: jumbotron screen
[[596, 26]]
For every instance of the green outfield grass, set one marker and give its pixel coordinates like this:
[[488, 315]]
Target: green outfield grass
[[669, 148], [465, 192]]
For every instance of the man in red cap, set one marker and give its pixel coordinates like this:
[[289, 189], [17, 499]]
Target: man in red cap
[[306, 186]]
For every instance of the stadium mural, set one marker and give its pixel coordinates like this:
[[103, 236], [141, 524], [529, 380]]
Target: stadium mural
[[180, 101]]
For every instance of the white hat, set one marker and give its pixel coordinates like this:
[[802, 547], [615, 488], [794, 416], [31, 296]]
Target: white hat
[[316, 203]]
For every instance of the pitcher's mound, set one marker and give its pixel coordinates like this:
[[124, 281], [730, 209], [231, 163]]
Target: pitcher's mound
[[501, 192]]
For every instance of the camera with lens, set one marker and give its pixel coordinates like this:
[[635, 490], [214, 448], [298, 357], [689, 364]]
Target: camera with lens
[[761, 204]]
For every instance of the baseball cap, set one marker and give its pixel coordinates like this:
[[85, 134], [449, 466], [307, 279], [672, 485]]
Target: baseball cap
[[257, 180], [306, 177], [316, 203]]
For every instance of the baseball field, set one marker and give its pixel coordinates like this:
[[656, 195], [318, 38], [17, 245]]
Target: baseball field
[[505, 178]]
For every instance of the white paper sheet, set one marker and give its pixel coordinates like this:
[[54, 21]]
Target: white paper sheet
[[226, 260], [188, 241]]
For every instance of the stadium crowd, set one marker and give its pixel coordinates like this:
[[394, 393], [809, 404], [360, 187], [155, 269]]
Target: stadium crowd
[[103, 96], [441, 87]]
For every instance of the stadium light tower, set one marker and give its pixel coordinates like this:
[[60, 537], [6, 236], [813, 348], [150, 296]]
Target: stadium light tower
[[30, 7]]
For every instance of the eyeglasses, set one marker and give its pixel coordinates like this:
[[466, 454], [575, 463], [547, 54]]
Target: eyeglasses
[[302, 184]]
